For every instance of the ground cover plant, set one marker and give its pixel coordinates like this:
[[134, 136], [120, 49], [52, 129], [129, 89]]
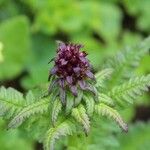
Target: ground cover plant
[[108, 35], [76, 97]]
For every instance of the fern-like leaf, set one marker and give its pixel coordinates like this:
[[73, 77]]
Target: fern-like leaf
[[89, 104], [104, 110], [11, 101], [30, 98], [102, 76], [36, 108], [125, 62], [78, 99], [130, 90], [80, 115], [64, 129], [70, 103], [103, 98], [57, 106]]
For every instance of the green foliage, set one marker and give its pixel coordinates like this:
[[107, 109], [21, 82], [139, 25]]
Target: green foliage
[[125, 62], [107, 111], [80, 115], [17, 139], [101, 76], [1, 55], [72, 17], [11, 102], [57, 106], [71, 102], [36, 108], [106, 99], [137, 7], [32, 111], [53, 134], [140, 131], [43, 51], [89, 105], [16, 49], [100, 137], [36, 23], [130, 90]]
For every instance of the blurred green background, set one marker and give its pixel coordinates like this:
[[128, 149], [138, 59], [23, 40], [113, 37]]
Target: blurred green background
[[29, 29]]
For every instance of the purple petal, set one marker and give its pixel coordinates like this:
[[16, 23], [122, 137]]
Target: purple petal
[[82, 84], [69, 79], [83, 54], [83, 59], [54, 70], [76, 69], [89, 74], [74, 90], [68, 47], [63, 62], [62, 45], [68, 55]]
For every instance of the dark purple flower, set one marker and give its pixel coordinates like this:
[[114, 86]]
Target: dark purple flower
[[71, 70]]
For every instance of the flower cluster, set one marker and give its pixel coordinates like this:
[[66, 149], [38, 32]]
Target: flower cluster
[[71, 70]]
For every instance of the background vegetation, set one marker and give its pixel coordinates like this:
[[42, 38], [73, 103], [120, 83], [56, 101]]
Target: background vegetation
[[28, 31]]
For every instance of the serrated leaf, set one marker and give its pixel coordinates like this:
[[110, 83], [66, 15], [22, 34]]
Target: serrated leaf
[[125, 62], [102, 75], [39, 107], [89, 104], [30, 98], [130, 90], [53, 134], [104, 110], [80, 115], [11, 102], [57, 106], [103, 98], [78, 99], [70, 103]]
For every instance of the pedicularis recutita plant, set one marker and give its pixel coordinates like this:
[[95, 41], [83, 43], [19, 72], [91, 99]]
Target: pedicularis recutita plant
[[71, 72], [75, 95]]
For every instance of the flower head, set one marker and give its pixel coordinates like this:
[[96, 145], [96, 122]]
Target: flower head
[[71, 70]]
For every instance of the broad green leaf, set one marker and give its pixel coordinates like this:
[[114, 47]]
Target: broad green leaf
[[43, 50], [14, 34]]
